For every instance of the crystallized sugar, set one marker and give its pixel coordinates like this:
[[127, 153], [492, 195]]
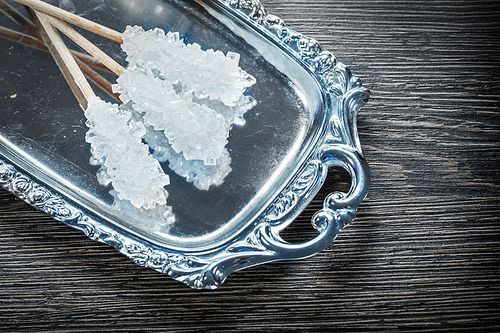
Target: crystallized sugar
[[202, 176], [209, 74], [232, 114], [194, 129], [157, 219], [180, 102], [116, 145], [193, 96]]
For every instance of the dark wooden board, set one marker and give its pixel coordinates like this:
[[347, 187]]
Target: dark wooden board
[[423, 253]]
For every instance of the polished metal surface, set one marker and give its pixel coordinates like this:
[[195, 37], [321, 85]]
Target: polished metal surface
[[304, 123]]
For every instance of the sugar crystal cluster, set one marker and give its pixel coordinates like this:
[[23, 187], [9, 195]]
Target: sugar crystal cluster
[[179, 105], [115, 140], [206, 73], [201, 175], [165, 110]]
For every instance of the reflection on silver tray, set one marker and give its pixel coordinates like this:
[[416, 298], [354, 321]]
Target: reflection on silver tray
[[304, 123]]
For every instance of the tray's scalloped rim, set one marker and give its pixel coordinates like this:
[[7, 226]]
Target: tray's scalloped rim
[[260, 242]]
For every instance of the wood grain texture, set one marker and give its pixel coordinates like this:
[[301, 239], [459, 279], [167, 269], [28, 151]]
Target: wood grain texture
[[423, 253]]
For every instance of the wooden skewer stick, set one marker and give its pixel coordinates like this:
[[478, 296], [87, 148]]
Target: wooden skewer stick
[[87, 46], [98, 80], [25, 23], [39, 45], [67, 64], [82, 60], [73, 19], [22, 38], [90, 61], [22, 21], [17, 17], [92, 75]]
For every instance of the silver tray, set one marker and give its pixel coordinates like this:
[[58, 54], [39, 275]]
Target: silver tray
[[304, 123]]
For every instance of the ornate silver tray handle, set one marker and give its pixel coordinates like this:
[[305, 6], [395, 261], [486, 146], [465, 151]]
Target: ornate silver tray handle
[[249, 234]]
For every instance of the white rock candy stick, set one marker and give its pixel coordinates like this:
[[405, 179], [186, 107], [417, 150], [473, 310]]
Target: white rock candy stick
[[202, 176], [125, 161], [196, 130], [207, 73], [116, 140]]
